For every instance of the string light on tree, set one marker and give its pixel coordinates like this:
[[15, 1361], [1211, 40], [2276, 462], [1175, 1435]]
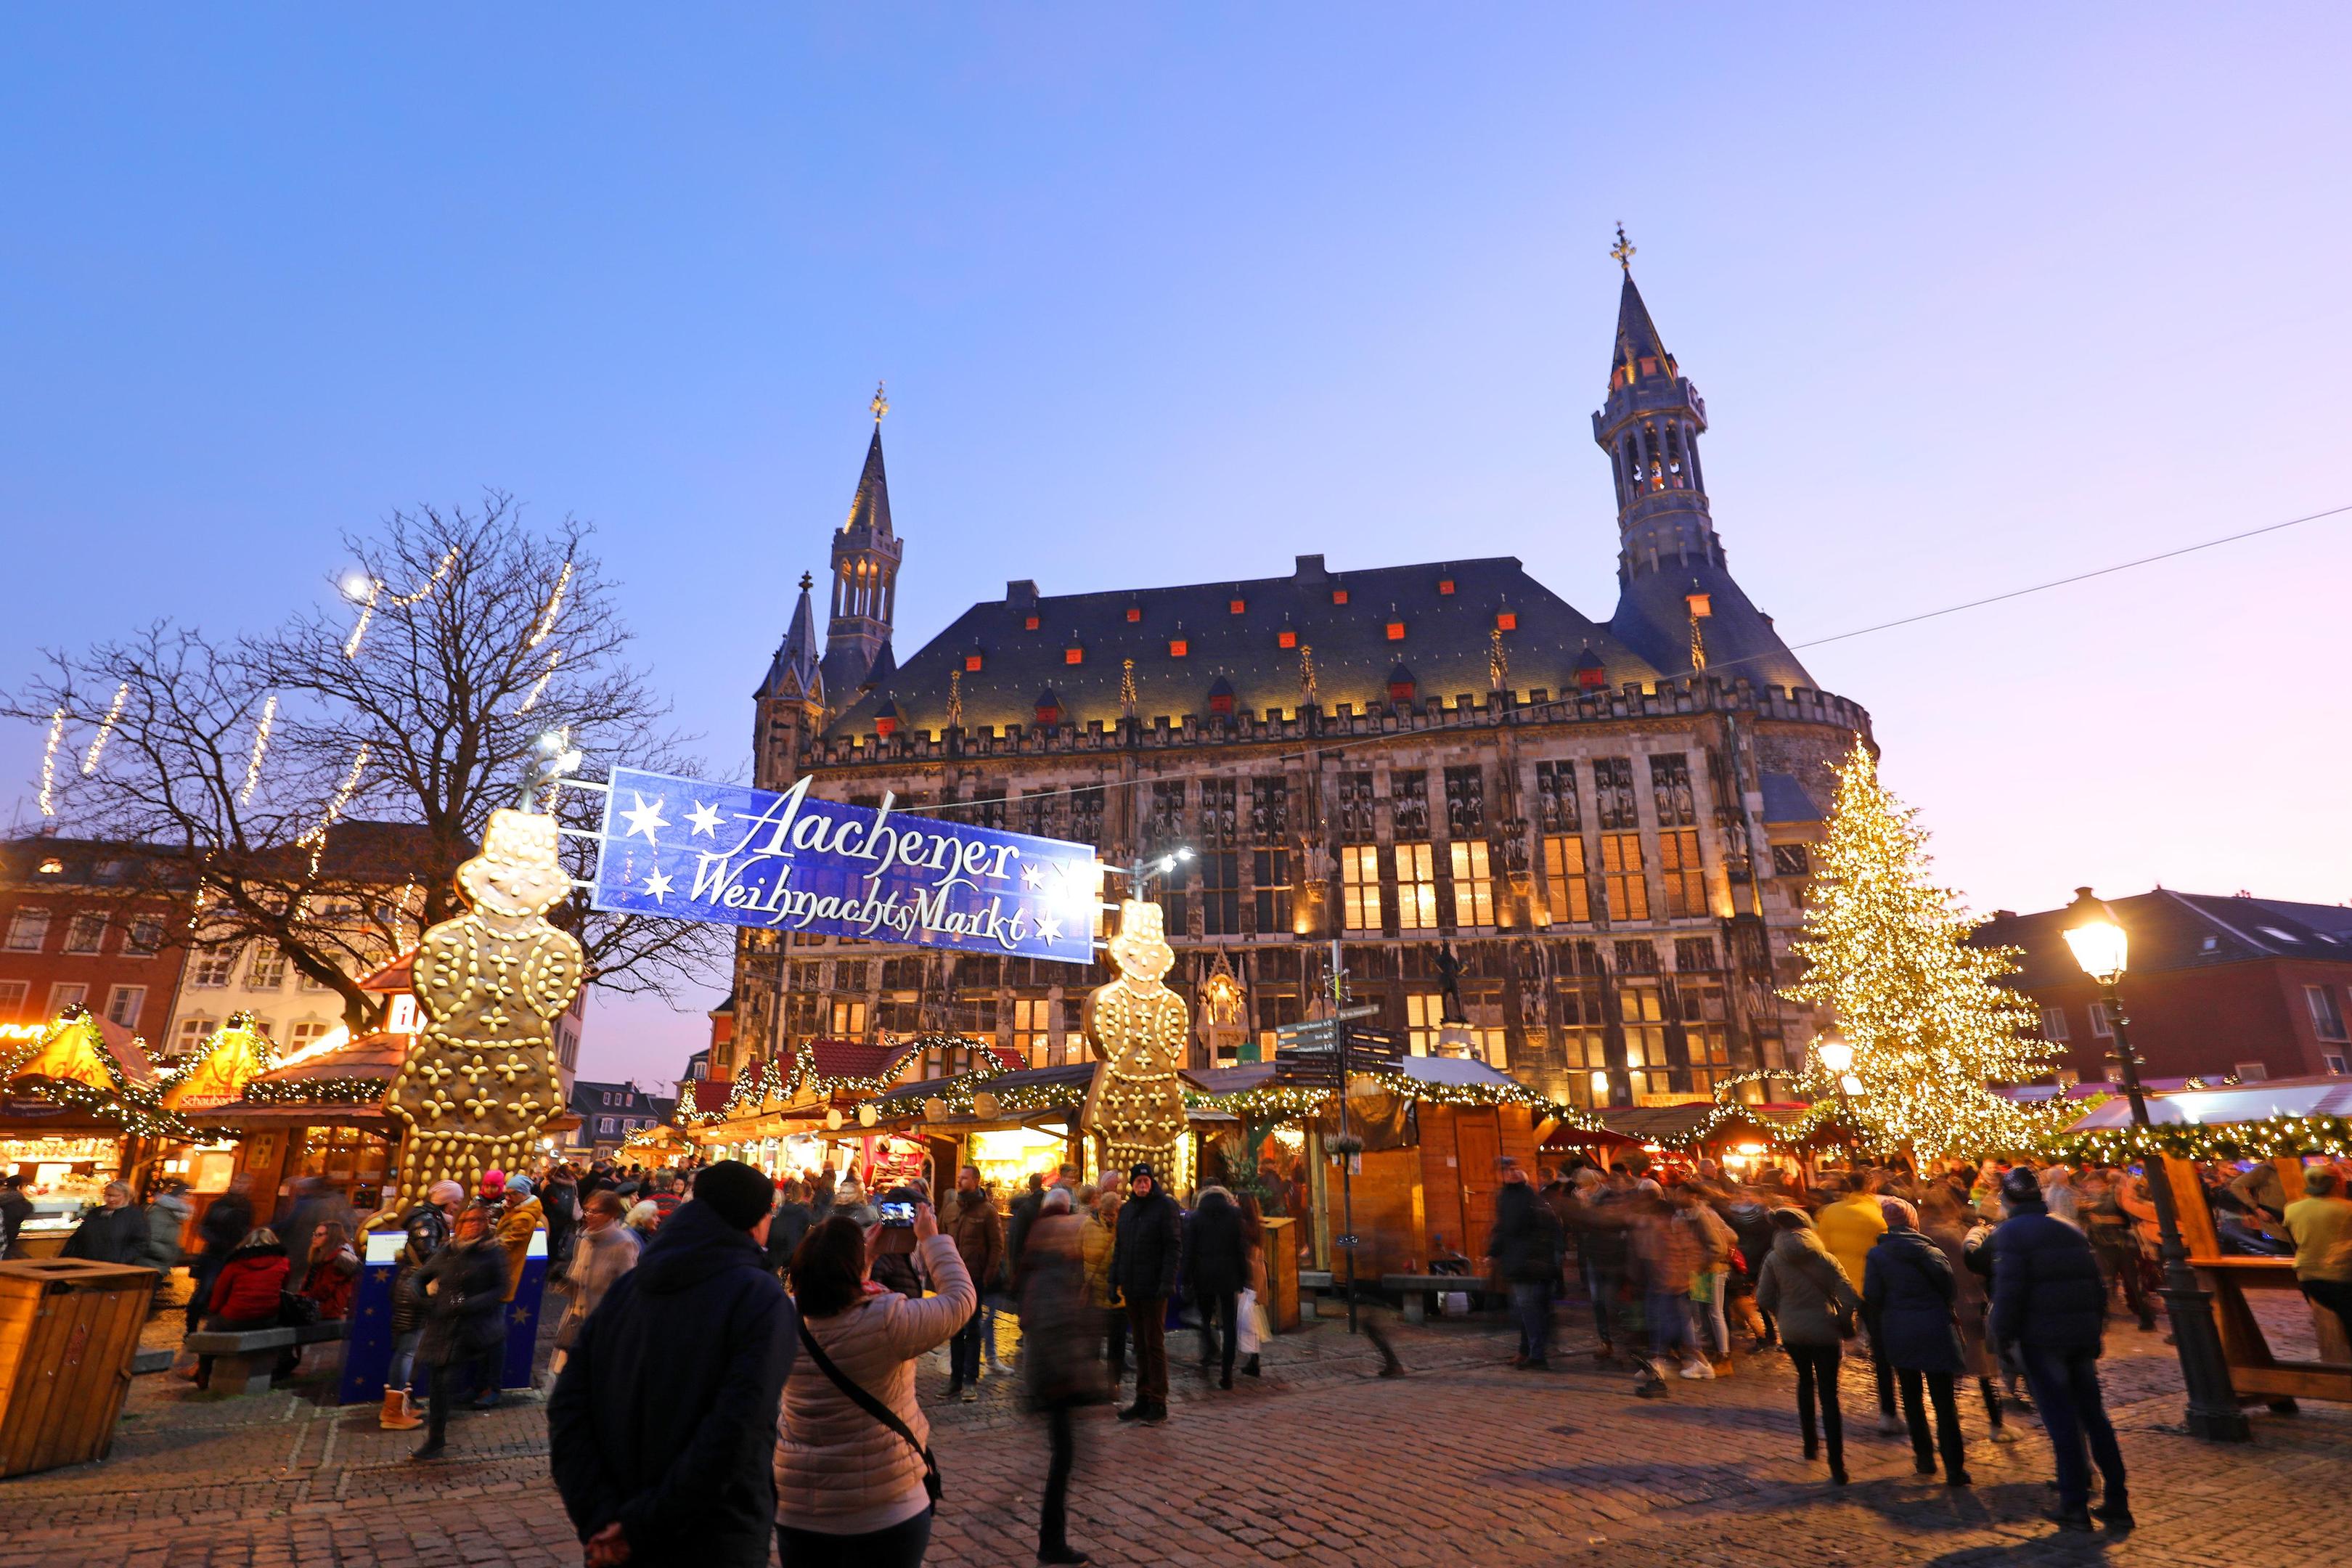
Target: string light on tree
[[105, 730], [1931, 1024], [367, 591], [49, 764], [260, 748]]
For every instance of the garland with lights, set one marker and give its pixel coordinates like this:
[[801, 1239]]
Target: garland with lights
[[319, 1091], [137, 1108], [2270, 1138], [1931, 1020]]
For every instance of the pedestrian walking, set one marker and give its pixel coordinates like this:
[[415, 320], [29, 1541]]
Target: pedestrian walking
[[464, 1286], [1850, 1226], [1059, 1371], [972, 1223], [1945, 1224], [522, 1217], [1666, 1256], [1813, 1306], [2049, 1302], [2115, 1243], [789, 1222], [1524, 1247], [662, 1427], [855, 1484], [1097, 1240], [426, 1229], [1216, 1272], [1604, 1232], [1908, 1291], [1145, 1256], [167, 1221], [2320, 1222], [602, 1252]]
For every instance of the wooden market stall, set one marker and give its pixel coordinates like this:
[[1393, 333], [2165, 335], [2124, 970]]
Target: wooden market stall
[[2283, 1121], [80, 1105]]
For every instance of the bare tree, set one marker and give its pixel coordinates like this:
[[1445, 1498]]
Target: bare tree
[[317, 784]]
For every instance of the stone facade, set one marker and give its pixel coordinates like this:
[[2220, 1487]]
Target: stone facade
[[1606, 822]]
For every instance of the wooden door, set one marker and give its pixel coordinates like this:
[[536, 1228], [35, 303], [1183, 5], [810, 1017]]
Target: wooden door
[[1477, 1142]]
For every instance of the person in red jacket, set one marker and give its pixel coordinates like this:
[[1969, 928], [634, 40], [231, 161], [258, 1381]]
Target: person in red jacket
[[334, 1270], [246, 1292]]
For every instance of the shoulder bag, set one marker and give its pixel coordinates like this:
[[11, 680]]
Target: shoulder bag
[[871, 1406]]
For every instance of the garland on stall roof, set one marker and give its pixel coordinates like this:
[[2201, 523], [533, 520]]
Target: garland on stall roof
[[318, 1092], [136, 1107], [2271, 1137]]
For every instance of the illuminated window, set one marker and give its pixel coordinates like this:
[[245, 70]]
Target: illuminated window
[[1416, 888], [27, 930], [1339, 595], [972, 661], [1237, 606], [848, 1019], [1030, 624], [1396, 631], [1135, 612], [1178, 647], [1686, 885], [1423, 1011], [1074, 655], [1286, 639], [1445, 585], [1571, 894], [1360, 885], [1507, 621], [86, 933], [1628, 889], [1474, 886], [1032, 1029], [1642, 1011]]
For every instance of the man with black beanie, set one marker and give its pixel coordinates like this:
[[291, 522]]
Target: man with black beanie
[[1145, 1251], [661, 1428]]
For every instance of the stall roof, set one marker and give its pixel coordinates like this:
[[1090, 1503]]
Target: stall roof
[[1673, 1124], [2329, 1096]]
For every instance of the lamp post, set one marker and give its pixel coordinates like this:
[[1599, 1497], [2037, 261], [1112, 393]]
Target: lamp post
[[1837, 1057], [2101, 947]]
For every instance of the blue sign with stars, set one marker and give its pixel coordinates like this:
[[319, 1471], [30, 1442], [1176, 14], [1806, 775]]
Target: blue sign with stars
[[786, 862]]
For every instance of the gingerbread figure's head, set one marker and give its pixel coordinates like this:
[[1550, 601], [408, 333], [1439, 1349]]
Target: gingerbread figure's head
[[1140, 949], [517, 875]]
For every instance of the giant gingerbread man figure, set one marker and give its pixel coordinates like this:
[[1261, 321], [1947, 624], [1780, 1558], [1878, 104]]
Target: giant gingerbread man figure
[[1136, 1024], [481, 1080]]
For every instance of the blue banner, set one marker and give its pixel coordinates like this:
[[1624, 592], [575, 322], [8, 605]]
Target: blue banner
[[785, 862]]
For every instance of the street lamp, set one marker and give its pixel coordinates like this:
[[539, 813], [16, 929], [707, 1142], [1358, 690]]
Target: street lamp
[[2101, 947], [1837, 1057]]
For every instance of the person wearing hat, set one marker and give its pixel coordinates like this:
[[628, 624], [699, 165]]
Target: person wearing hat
[[522, 1217], [2049, 1301], [1143, 1261], [662, 1427]]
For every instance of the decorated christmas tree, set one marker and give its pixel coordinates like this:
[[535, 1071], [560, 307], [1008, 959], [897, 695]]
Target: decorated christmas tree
[[1931, 1023]]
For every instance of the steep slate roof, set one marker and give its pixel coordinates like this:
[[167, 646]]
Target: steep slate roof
[[2172, 931], [1446, 641], [1652, 617], [1785, 800], [795, 671], [870, 507], [1637, 335]]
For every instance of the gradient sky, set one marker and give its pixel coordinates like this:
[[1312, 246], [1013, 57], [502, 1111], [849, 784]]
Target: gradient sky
[[1170, 294]]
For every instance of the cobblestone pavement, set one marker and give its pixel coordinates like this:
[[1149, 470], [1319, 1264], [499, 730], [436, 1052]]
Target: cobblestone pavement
[[1463, 1461]]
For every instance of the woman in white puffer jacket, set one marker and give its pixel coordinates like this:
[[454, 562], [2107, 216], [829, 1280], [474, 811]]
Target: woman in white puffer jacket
[[849, 1489]]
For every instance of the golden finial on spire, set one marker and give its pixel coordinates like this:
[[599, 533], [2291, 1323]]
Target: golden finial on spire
[[881, 403], [1622, 251], [808, 582]]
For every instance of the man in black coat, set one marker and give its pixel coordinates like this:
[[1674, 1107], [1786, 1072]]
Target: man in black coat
[[1216, 1271], [1144, 1256], [2050, 1302], [114, 1232], [662, 1427], [1525, 1247]]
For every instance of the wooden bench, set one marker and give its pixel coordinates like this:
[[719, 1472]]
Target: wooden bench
[[1418, 1289], [244, 1361]]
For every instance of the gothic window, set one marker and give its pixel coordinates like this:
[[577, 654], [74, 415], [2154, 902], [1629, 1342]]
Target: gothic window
[[1556, 802], [1622, 879], [1670, 787], [988, 807], [976, 1013], [1695, 954], [1356, 808], [1221, 892], [1641, 1014], [1416, 888], [1408, 795], [801, 1013], [1474, 883], [1791, 861], [1220, 823], [1269, 811], [1678, 868], [1032, 1027], [848, 975], [1360, 885], [1571, 894], [1270, 876], [1465, 802], [1087, 815], [1612, 793]]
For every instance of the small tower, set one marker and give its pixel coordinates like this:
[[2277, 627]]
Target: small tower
[[866, 554], [1650, 429], [790, 703]]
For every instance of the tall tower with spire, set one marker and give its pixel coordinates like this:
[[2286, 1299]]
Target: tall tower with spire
[[790, 703], [1676, 605], [866, 556]]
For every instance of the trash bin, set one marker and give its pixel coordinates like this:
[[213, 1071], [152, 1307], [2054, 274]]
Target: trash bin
[[68, 1331]]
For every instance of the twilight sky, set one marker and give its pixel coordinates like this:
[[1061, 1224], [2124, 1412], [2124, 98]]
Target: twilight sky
[[1166, 294]]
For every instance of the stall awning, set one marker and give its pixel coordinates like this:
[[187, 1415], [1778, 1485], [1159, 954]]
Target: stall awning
[[2240, 1102]]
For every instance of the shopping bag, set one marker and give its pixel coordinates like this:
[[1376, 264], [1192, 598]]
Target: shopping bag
[[1454, 1303], [1248, 1325]]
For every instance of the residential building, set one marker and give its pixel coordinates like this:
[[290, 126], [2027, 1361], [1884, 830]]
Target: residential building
[[82, 921], [608, 1113], [2217, 987]]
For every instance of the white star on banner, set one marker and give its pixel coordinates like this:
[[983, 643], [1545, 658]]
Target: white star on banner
[[705, 818], [658, 885], [645, 819], [1033, 875], [1049, 928]]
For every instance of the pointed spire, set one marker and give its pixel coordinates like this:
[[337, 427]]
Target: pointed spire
[[879, 673], [870, 507], [794, 672], [1637, 337]]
